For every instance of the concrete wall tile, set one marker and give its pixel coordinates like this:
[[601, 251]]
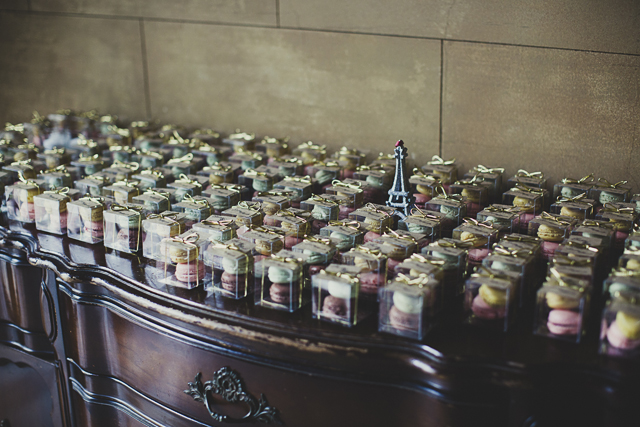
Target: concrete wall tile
[[253, 12], [53, 62], [335, 89], [561, 112]]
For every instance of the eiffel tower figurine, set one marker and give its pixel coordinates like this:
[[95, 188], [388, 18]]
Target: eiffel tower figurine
[[400, 197]]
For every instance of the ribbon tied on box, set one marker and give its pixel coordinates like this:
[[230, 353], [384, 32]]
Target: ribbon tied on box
[[420, 281], [606, 184], [584, 180], [354, 225], [437, 160], [524, 174]]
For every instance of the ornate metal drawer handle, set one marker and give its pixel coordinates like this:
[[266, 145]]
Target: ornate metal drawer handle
[[227, 384]]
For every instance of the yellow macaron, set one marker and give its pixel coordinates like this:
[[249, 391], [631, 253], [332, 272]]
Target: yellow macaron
[[492, 296], [629, 325]]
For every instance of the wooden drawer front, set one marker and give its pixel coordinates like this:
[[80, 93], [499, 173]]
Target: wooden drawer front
[[20, 317], [20, 295], [121, 356]]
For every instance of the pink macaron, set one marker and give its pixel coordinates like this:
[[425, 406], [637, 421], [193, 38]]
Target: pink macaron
[[477, 255], [617, 339], [549, 248], [291, 241], [421, 199], [401, 320], [484, 311], [190, 272], [371, 281], [563, 322], [344, 212], [370, 236]]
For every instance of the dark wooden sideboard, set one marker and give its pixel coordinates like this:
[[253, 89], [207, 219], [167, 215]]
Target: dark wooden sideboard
[[91, 338]]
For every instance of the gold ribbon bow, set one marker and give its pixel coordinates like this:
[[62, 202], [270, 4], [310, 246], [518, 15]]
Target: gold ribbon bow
[[139, 124], [318, 198], [279, 141], [474, 181], [222, 222], [153, 192], [457, 244], [189, 239], [575, 244], [338, 183], [577, 199], [419, 281], [281, 193], [289, 160], [623, 272], [27, 181], [524, 173], [473, 221], [208, 148], [84, 141], [168, 215], [153, 172], [54, 151], [206, 132], [559, 279], [604, 183], [550, 217], [254, 206], [61, 169], [252, 173], [525, 188], [608, 207], [115, 207], [598, 223], [510, 209], [101, 178], [133, 166], [525, 239], [261, 229], [62, 190], [217, 167], [417, 212], [286, 259], [242, 136], [5, 141], [318, 239], [354, 225], [89, 157], [365, 250], [517, 253], [311, 146], [38, 119], [187, 158], [565, 260], [99, 200], [346, 276], [126, 183], [425, 260], [484, 169], [201, 202], [442, 194], [28, 146], [303, 179], [482, 271], [370, 207], [153, 154], [8, 127], [184, 179], [437, 160], [125, 148], [395, 234], [22, 163], [418, 173], [582, 180]]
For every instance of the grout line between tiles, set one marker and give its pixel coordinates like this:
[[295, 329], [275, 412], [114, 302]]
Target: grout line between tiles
[[29, 5], [227, 24], [441, 96], [145, 69], [278, 13]]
